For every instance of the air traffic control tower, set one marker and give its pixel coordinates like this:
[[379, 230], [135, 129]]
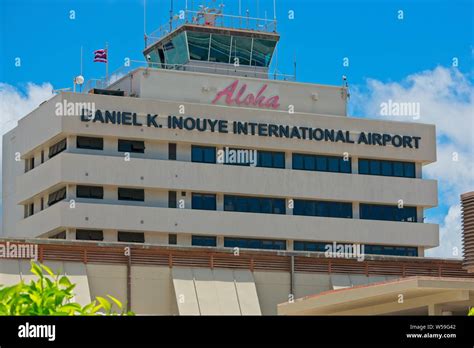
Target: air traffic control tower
[[205, 45]]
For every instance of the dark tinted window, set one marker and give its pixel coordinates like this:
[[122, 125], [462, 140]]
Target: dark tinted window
[[172, 239], [321, 163], [387, 168], [251, 243], [363, 166], [203, 241], [60, 235], [203, 154], [172, 200], [128, 194], [387, 212], [131, 237], [203, 201], [89, 235], [57, 148], [96, 192], [309, 246], [90, 143], [136, 146], [390, 250], [322, 208], [171, 151], [270, 159], [57, 196], [254, 204]]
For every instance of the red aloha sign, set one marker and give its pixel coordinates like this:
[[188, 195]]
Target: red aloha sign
[[238, 96]]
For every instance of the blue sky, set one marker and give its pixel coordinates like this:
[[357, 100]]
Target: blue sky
[[322, 33], [392, 53]]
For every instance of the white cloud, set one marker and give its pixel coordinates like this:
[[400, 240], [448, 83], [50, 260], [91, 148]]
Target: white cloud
[[14, 105], [450, 235], [446, 98]]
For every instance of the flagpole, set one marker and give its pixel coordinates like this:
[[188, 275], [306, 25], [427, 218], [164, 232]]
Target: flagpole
[[107, 63], [80, 87]]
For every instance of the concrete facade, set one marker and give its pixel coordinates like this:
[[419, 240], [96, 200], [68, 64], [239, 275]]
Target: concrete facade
[[153, 91]]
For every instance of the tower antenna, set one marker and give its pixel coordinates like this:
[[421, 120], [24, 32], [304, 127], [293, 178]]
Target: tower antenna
[[171, 16], [144, 22], [294, 66], [274, 15]]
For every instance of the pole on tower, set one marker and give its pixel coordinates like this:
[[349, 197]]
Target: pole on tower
[[81, 60], [171, 16], [107, 63], [274, 15], [144, 21]]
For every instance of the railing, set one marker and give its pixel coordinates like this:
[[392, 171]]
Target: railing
[[211, 20], [222, 69], [261, 260]]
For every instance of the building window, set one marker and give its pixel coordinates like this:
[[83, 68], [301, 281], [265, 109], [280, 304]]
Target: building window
[[57, 196], [310, 246], [172, 151], [42, 203], [203, 201], [203, 154], [172, 239], [90, 143], [42, 156], [172, 199], [387, 168], [322, 208], [254, 204], [251, 243], [95, 192], [131, 237], [89, 235], [270, 159], [368, 249], [57, 148], [322, 163], [390, 250], [204, 241], [32, 163], [31, 209], [60, 235], [136, 146], [387, 212], [128, 194]]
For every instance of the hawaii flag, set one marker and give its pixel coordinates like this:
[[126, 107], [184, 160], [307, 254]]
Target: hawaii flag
[[100, 56]]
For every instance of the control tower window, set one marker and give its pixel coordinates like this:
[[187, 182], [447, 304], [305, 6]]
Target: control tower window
[[220, 49], [175, 50], [241, 49], [198, 45], [262, 52]]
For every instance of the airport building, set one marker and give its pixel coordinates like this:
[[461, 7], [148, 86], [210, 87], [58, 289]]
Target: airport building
[[204, 155], [142, 160]]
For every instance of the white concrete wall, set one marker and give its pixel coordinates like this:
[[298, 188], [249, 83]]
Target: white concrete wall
[[151, 170], [202, 222]]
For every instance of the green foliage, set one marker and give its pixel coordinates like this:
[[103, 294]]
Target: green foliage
[[51, 294], [471, 311]]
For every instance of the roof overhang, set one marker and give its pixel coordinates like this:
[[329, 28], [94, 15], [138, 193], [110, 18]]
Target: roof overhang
[[413, 295]]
